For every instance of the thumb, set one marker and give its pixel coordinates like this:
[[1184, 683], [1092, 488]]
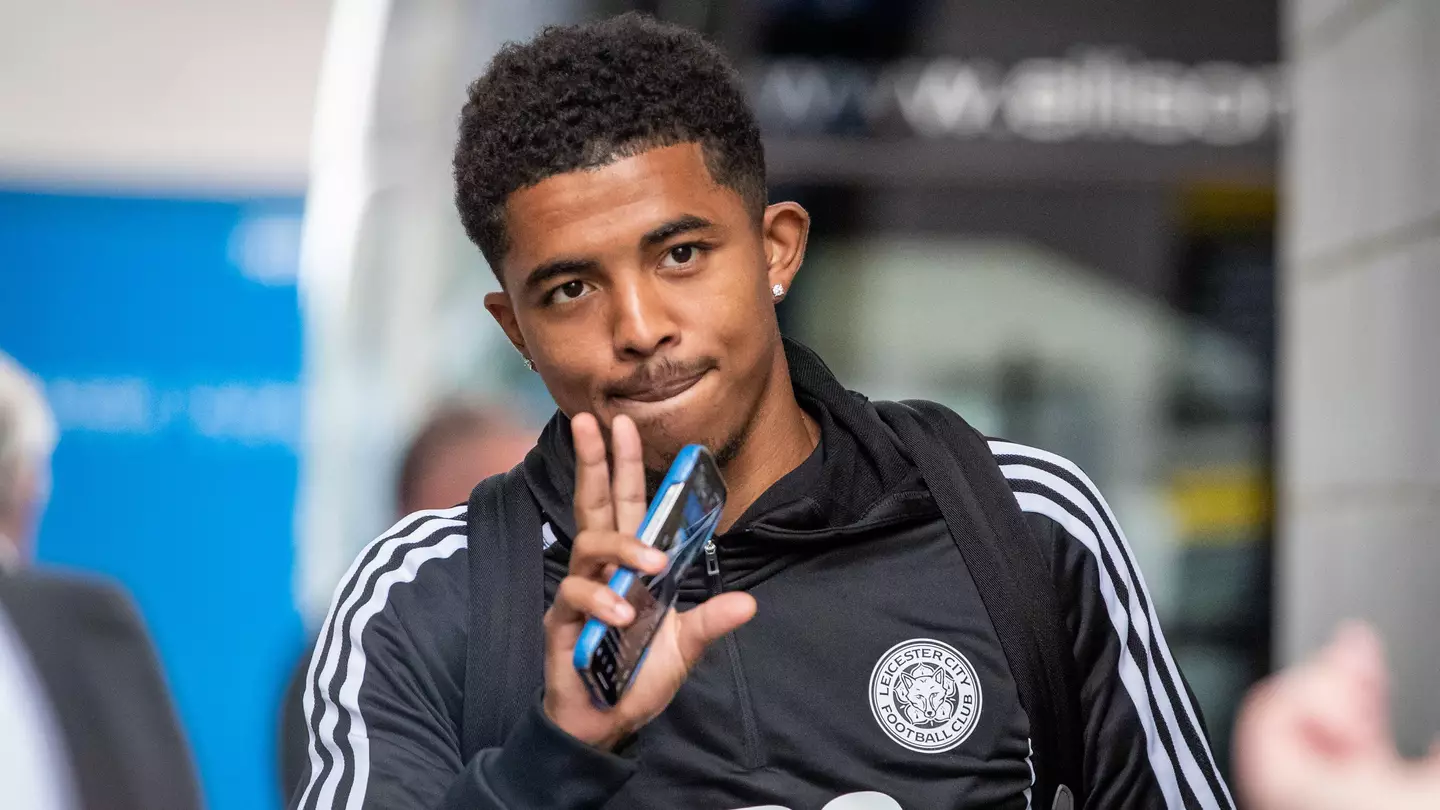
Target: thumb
[[1357, 651], [699, 626], [1356, 660]]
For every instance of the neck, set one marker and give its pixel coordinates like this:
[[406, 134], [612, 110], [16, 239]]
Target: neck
[[781, 436]]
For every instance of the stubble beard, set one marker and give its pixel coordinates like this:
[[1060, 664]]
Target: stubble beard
[[724, 454]]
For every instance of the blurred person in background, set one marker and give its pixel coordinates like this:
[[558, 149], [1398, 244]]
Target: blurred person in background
[[27, 438], [460, 444], [941, 621], [34, 767], [1317, 736], [86, 719]]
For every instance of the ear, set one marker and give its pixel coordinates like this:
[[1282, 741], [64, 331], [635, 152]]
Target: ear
[[906, 682], [785, 229], [499, 306]]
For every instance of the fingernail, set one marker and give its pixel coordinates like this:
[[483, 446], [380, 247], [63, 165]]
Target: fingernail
[[623, 611], [653, 557]]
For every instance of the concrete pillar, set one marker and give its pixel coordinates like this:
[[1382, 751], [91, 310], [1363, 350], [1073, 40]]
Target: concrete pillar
[[1360, 430]]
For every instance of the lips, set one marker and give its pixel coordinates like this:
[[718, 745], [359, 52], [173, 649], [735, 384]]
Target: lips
[[659, 390]]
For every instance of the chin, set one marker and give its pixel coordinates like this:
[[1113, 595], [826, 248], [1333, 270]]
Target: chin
[[661, 447], [663, 442], [662, 439]]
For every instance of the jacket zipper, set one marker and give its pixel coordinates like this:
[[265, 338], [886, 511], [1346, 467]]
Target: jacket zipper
[[712, 568], [752, 757]]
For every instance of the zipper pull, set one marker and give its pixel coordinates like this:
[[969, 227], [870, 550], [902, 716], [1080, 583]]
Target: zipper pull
[[712, 565]]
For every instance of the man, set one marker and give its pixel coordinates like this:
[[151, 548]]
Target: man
[[836, 650], [85, 716], [459, 444], [33, 764]]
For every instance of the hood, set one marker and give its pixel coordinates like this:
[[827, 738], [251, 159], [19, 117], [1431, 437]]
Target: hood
[[864, 482]]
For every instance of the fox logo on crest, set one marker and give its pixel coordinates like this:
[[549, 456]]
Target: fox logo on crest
[[925, 695]]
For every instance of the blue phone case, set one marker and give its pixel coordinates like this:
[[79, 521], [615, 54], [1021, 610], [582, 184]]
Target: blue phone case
[[681, 520]]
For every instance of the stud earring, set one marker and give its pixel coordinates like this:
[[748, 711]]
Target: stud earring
[[528, 362], [778, 291]]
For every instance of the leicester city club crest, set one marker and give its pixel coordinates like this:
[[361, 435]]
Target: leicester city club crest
[[925, 694]]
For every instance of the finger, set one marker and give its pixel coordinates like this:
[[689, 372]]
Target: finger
[[593, 509], [715, 617], [578, 598], [595, 552], [562, 631], [628, 487], [1357, 649], [1358, 661]]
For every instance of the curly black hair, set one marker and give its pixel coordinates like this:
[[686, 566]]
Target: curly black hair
[[582, 96]]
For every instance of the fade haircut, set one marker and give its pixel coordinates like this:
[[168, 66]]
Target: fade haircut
[[582, 96]]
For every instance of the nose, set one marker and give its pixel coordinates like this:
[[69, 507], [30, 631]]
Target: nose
[[643, 323]]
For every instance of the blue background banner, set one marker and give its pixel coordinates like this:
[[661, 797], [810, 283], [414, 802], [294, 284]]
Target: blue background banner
[[167, 333]]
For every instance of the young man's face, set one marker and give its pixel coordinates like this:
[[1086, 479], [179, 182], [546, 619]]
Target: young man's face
[[644, 288]]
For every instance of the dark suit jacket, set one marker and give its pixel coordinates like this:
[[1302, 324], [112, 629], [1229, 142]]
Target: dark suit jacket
[[94, 657]]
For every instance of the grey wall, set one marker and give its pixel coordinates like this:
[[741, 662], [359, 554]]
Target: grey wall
[[1361, 339]]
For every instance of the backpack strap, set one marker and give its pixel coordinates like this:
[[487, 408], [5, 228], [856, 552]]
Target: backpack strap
[[1012, 576], [504, 655]]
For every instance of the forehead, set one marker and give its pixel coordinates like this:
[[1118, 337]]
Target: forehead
[[587, 213]]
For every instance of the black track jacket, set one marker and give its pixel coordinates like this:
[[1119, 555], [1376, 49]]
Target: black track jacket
[[871, 677]]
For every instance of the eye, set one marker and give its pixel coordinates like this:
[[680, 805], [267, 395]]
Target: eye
[[569, 291], [680, 255]]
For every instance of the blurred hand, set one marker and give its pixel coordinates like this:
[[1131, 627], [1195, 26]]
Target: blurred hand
[[1317, 736], [607, 515]]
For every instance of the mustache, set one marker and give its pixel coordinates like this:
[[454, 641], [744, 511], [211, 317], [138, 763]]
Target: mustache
[[657, 373]]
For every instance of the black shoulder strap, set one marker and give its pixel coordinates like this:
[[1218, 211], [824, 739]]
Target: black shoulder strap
[[504, 656], [1012, 576]]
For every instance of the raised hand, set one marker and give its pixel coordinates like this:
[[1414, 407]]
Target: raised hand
[[608, 512], [1317, 737]]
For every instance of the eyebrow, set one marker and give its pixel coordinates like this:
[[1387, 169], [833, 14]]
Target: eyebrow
[[673, 228], [559, 267], [655, 236]]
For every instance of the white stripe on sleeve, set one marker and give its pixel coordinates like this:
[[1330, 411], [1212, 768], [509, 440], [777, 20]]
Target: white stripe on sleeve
[[1094, 532], [370, 563]]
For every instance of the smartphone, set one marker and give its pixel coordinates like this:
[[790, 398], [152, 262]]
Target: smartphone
[[680, 521]]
